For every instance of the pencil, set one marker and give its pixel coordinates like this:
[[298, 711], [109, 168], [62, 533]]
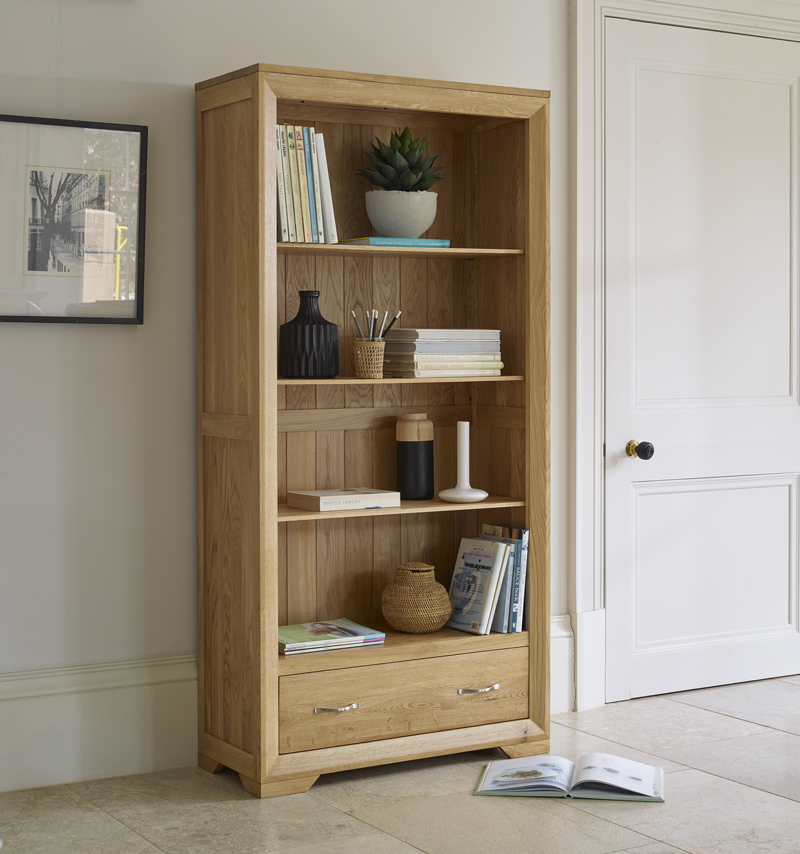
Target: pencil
[[393, 320], [358, 325]]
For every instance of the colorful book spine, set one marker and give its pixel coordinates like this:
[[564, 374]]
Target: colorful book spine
[[287, 183], [312, 201], [298, 216], [283, 224], [317, 186], [301, 172], [328, 217], [518, 604]]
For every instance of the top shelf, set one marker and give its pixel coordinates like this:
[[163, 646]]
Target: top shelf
[[344, 250]]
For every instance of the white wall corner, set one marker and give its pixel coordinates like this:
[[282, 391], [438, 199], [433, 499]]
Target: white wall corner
[[562, 665], [91, 721]]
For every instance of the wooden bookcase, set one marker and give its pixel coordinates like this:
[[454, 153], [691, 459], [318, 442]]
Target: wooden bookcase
[[263, 564]]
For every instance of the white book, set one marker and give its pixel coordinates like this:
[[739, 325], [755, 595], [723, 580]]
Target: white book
[[397, 365], [473, 591], [287, 184], [317, 186], [411, 334], [452, 347], [358, 498], [283, 224], [390, 372], [328, 217], [436, 358]]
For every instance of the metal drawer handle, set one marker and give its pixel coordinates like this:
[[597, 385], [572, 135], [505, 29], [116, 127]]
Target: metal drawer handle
[[343, 709], [495, 687]]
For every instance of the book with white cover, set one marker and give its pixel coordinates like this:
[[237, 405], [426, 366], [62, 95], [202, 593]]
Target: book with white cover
[[413, 334], [357, 498], [473, 590], [317, 187], [287, 183], [456, 372], [283, 225], [295, 175], [328, 216], [460, 347], [421, 364], [502, 617], [412, 358], [599, 776]]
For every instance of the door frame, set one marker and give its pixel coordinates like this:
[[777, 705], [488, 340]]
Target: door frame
[[779, 19]]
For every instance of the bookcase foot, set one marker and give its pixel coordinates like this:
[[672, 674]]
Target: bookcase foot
[[209, 765], [281, 787], [527, 748]]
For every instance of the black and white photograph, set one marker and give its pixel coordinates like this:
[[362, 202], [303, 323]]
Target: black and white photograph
[[72, 205]]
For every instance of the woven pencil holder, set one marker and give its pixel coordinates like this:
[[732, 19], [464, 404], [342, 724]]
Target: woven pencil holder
[[415, 602], [368, 359]]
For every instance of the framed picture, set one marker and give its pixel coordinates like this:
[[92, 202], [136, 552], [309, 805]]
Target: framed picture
[[72, 205]]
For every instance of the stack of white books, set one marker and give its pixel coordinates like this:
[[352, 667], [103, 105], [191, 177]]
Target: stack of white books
[[305, 201], [426, 353]]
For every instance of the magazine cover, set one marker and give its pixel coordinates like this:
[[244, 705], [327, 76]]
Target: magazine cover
[[340, 630]]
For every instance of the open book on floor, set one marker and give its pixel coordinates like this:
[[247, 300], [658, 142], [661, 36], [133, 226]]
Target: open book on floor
[[595, 775]]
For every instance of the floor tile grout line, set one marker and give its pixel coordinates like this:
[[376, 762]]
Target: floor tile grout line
[[733, 718], [114, 818]]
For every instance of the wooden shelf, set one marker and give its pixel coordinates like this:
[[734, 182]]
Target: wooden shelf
[[396, 380], [344, 250], [399, 647], [295, 514]]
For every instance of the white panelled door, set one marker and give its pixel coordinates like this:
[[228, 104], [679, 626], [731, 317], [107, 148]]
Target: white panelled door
[[702, 306]]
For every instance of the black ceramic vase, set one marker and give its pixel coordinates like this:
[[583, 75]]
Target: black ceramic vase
[[309, 344]]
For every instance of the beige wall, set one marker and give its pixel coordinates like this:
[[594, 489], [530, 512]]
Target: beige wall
[[97, 488]]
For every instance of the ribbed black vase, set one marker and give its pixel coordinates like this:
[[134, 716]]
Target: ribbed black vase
[[309, 344]]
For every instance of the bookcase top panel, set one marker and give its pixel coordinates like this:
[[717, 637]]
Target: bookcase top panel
[[369, 78]]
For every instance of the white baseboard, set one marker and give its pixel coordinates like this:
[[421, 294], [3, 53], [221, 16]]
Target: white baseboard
[[562, 665], [128, 717], [104, 720]]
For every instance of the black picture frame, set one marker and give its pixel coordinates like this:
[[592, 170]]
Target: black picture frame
[[68, 189]]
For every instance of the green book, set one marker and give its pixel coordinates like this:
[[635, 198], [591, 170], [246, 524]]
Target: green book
[[599, 776], [327, 633]]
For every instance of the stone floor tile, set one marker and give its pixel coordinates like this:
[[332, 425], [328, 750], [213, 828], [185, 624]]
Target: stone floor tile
[[55, 820], [654, 848], [704, 814], [772, 702], [794, 679], [768, 761], [653, 724], [420, 778], [463, 824]]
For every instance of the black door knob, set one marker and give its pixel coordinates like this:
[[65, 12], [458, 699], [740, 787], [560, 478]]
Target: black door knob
[[642, 450]]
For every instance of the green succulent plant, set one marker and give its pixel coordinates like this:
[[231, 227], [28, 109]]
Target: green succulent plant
[[402, 164]]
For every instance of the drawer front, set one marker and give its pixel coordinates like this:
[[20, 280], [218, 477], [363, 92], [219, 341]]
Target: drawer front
[[403, 698]]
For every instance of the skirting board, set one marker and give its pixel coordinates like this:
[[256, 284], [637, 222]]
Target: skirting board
[[130, 717]]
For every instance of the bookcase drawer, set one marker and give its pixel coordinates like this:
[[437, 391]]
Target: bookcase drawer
[[337, 707]]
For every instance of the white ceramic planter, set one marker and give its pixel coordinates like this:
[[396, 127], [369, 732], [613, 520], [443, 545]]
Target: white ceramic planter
[[394, 213]]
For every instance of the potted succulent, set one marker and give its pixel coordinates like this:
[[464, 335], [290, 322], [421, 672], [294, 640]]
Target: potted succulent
[[402, 207]]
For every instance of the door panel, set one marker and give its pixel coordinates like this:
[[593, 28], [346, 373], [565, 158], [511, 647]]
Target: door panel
[[701, 159]]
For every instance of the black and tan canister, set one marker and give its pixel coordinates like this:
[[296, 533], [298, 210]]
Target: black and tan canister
[[415, 457]]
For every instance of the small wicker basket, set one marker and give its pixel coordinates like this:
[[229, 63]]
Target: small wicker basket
[[415, 602], [368, 359]]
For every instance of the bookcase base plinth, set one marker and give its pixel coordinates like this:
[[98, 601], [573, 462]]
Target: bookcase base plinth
[[297, 786], [526, 748]]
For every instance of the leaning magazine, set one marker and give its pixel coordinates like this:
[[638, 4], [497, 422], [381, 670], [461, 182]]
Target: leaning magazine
[[599, 776]]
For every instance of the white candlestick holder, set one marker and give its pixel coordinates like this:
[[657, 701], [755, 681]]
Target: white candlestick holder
[[462, 492]]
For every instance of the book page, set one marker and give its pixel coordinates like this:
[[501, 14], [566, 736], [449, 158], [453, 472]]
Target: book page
[[530, 773], [615, 771]]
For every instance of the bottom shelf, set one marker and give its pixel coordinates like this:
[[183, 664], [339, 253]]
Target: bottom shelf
[[400, 646]]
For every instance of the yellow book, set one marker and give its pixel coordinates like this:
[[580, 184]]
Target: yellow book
[[301, 171], [295, 176]]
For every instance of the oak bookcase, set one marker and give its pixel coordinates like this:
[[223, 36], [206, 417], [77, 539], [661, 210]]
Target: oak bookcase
[[263, 564]]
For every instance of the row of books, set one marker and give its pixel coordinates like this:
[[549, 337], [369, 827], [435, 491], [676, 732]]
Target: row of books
[[325, 635], [305, 201], [422, 353], [487, 591]]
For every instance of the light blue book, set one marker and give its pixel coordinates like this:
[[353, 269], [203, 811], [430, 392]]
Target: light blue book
[[312, 201], [502, 616], [414, 242]]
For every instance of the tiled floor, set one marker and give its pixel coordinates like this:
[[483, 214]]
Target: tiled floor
[[732, 757]]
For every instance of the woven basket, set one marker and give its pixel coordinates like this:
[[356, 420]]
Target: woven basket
[[368, 359], [415, 602]]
